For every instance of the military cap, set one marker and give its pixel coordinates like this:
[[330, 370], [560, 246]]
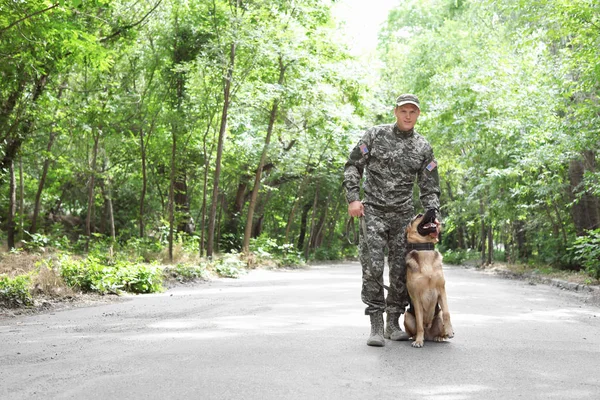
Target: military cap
[[407, 99]]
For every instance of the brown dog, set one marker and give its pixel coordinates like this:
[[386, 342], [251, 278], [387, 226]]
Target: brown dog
[[428, 317]]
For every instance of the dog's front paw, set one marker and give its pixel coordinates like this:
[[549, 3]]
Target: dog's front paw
[[449, 332], [417, 344]]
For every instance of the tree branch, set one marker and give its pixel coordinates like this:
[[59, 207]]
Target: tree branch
[[127, 27], [2, 30]]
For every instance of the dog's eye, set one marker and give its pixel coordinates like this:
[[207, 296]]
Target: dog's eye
[[418, 216]]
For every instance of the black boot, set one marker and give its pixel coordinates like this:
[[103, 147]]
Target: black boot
[[376, 338]]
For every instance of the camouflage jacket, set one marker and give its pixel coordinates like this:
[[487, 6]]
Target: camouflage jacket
[[390, 160]]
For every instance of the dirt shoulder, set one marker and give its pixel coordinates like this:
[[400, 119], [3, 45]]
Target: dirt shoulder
[[58, 297], [575, 282]]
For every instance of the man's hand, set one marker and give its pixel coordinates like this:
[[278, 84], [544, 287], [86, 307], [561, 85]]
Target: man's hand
[[356, 209]]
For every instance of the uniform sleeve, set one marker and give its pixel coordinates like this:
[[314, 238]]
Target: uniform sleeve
[[354, 168], [429, 182]]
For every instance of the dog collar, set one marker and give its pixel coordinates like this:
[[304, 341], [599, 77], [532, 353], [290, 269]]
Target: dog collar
[[420, 246]]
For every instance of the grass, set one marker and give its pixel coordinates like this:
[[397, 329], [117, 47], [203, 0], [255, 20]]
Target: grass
[[34, 276], [50, 267], [471, 258], [30, 278], [579, 277]]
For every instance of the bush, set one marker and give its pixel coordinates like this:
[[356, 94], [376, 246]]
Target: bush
[[94, 275], [146, 249], [230, 266], [36, 242], [14, 292], [284, 255], [586, 250], [186, 273], [327, 253], [138, 278], [499, 255], [456, 257]]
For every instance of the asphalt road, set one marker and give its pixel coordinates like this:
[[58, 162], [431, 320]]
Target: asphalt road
[[301, 334]]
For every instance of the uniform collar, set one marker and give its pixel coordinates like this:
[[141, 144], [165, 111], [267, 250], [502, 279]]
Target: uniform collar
[[398, 132]]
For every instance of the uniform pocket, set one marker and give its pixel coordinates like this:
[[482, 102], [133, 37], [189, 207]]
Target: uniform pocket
[[380, 162]]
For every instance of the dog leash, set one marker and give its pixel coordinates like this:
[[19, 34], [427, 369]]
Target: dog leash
[[354, 238]]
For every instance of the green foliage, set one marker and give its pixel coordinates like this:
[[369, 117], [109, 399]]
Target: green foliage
[[145, 249], [507, 91], [341, 250], [499, 255], [323, 253], [459, 256], [229, 266], [186, 273], [37, 242], [509, 94], [455, 257], [14, 292], [95, 274], [586, 250], [284, 255]]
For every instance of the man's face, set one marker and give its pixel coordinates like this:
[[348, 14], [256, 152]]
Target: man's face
[[406, 116]]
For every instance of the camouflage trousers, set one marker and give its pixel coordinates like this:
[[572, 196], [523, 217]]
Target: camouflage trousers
[[385, 230]]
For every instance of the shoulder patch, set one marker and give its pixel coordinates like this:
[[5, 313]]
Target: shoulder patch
[[431, 166], [364, 149]]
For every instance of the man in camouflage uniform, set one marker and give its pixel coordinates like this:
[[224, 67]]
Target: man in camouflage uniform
[[390, 157]]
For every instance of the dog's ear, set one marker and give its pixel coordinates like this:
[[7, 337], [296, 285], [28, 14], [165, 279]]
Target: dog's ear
[[412, 221]]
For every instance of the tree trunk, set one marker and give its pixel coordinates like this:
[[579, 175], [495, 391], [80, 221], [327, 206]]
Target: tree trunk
[[333, 223], [556, 225], [263, 157], [90, 199], [522, 252], [490, 246], [12, 206], [222, 201], [203, 213], [293, 210], [317, 238], [46, 167], [215, 195], [257, 226], [21, 200], [144, 183], [38, 195], [164, 205], [108, 205], [6, 109], [207, 156], [312, 223], [483, 229], [11, 143], [303, 222], [561, 224], [509, 249], [585, 210], [234, 212], [172, 192], [184, 222]]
